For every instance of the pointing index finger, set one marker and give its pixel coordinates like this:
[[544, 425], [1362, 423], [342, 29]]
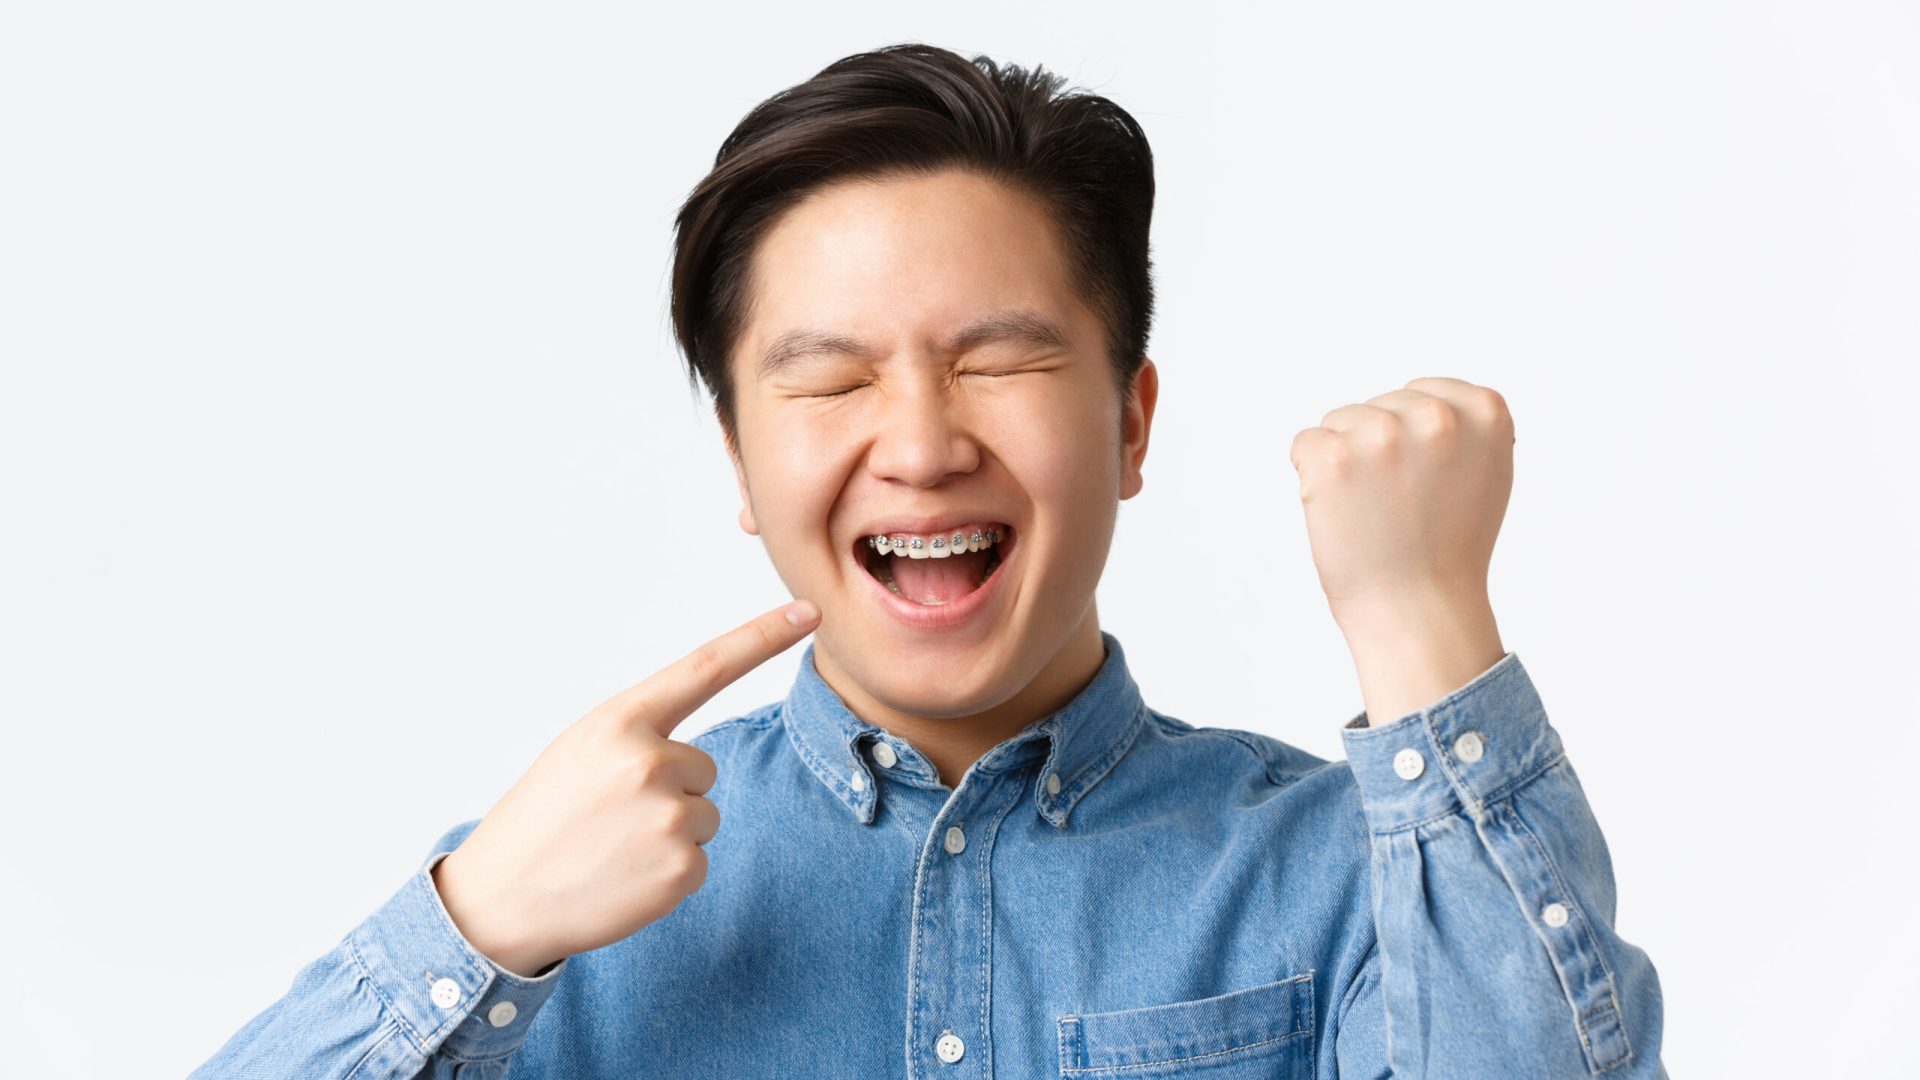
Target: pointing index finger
[[670, 695]]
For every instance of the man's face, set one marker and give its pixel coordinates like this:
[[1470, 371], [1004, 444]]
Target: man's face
[[940, 406]]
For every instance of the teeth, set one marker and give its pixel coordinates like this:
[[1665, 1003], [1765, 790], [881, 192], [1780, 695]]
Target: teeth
[[960, 541]]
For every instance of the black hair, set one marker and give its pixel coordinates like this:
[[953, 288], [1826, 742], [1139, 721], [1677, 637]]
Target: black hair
[[916, 108]]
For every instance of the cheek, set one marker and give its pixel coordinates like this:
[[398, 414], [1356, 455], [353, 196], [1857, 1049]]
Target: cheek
[[1071, 438], [796, 473], [1069, 467]]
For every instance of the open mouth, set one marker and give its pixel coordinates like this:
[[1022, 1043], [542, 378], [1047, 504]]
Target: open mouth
[[938, 568]]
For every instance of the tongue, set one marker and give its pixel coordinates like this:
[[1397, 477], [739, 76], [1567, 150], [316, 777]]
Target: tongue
[[936, 581]]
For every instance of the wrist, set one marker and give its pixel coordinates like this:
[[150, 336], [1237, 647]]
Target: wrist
[[1412, 649], [520, 957]]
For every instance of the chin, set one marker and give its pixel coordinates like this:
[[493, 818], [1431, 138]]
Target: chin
[[933, 679], [932, 696]]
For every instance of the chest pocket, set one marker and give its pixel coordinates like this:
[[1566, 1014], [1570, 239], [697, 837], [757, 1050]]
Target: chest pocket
[[1263, 1031]]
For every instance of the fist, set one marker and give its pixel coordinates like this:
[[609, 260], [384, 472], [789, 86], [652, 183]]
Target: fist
[[1404, 494]]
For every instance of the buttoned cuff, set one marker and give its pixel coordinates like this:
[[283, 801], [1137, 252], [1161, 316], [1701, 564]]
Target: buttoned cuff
[[1473, 747], [445, 994]]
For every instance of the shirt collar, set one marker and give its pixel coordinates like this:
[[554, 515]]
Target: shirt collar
[[1082, 740]]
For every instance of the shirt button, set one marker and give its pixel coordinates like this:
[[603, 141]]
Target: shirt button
[[1053, 783], [502, 1014], [956, 840], [1409, 764], [445, 993], [858, 781], [950, 1048], [884, 755], [1469, 747], [1554, 915]]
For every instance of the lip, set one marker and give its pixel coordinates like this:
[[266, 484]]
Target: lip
[[954, 613], [928, 526]]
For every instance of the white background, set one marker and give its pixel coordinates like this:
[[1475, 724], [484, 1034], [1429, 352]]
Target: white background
[[345, 457]]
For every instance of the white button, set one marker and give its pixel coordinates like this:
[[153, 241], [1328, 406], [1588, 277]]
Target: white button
[[858, 781], [884, 754], [956, 840], [445, 993], [950, 1048], [1053, 783], [502, 1014], [1554, 915], [1468, 747], [1409, 764]]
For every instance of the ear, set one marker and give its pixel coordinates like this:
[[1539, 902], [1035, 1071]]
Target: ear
[[1136, 424], [747, 524]]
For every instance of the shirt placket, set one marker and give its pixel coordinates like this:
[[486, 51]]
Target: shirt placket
[[950, 971]]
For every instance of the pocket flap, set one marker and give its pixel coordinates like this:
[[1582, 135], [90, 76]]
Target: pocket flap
[[1243, 1021]]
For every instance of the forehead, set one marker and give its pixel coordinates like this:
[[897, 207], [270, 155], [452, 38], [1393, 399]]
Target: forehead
[[910, 259]]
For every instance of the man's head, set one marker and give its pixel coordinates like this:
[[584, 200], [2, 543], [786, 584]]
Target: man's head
[[919, 290]]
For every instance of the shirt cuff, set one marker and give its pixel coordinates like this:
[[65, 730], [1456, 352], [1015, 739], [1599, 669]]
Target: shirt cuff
[[1473, 747], [444, 993]]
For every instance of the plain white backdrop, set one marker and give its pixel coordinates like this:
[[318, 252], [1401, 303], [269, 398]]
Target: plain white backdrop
[[345, 457]]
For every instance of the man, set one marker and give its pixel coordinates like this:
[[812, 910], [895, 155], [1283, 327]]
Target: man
[[963, 846]]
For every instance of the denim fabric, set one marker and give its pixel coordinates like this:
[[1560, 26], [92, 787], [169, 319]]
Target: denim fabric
[[1110, 894]]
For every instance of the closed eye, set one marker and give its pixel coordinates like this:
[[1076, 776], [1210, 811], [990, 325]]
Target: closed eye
[[859, 386]]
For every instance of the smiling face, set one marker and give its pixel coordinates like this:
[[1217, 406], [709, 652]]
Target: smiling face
[[935, 368]]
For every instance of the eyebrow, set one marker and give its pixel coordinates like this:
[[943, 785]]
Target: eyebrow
[[1023, 327]]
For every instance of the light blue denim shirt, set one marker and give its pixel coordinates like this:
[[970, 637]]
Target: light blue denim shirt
[[1110, 894]]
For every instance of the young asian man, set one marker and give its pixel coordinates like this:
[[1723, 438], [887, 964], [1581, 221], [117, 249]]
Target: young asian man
[[963, 846]]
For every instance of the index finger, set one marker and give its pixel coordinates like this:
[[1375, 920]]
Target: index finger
[[670, 695]]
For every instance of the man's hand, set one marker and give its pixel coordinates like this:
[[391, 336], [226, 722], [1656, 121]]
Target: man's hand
[[602, 835], [1404, 495]]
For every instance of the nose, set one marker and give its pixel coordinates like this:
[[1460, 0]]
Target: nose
[[922, 441]]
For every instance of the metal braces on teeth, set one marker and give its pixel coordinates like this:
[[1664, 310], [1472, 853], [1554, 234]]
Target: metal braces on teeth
[[958, 541]]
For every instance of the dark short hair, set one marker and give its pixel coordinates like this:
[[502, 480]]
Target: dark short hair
[[913, 109]]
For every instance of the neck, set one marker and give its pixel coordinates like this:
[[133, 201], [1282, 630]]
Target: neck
[[953, 744]]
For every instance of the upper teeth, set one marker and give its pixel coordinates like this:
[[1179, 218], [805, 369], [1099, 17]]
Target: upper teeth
[[935, 547]]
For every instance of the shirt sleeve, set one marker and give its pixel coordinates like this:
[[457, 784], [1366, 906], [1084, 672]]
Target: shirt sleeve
[[402, 995], [1493, 902]]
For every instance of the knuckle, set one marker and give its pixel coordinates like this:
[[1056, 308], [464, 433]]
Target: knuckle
[[1379, 433], [1490, 402], [705, 772], [1301, 448], [1434, 416], [705, 820], [644, 767], [676, 817], [689, 868], [616, 717], [706, 666]]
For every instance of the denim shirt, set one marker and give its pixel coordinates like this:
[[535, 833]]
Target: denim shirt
[[1109, 894]]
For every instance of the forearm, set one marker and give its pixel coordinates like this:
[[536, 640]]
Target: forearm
[[402, 996], [1494, 897]]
